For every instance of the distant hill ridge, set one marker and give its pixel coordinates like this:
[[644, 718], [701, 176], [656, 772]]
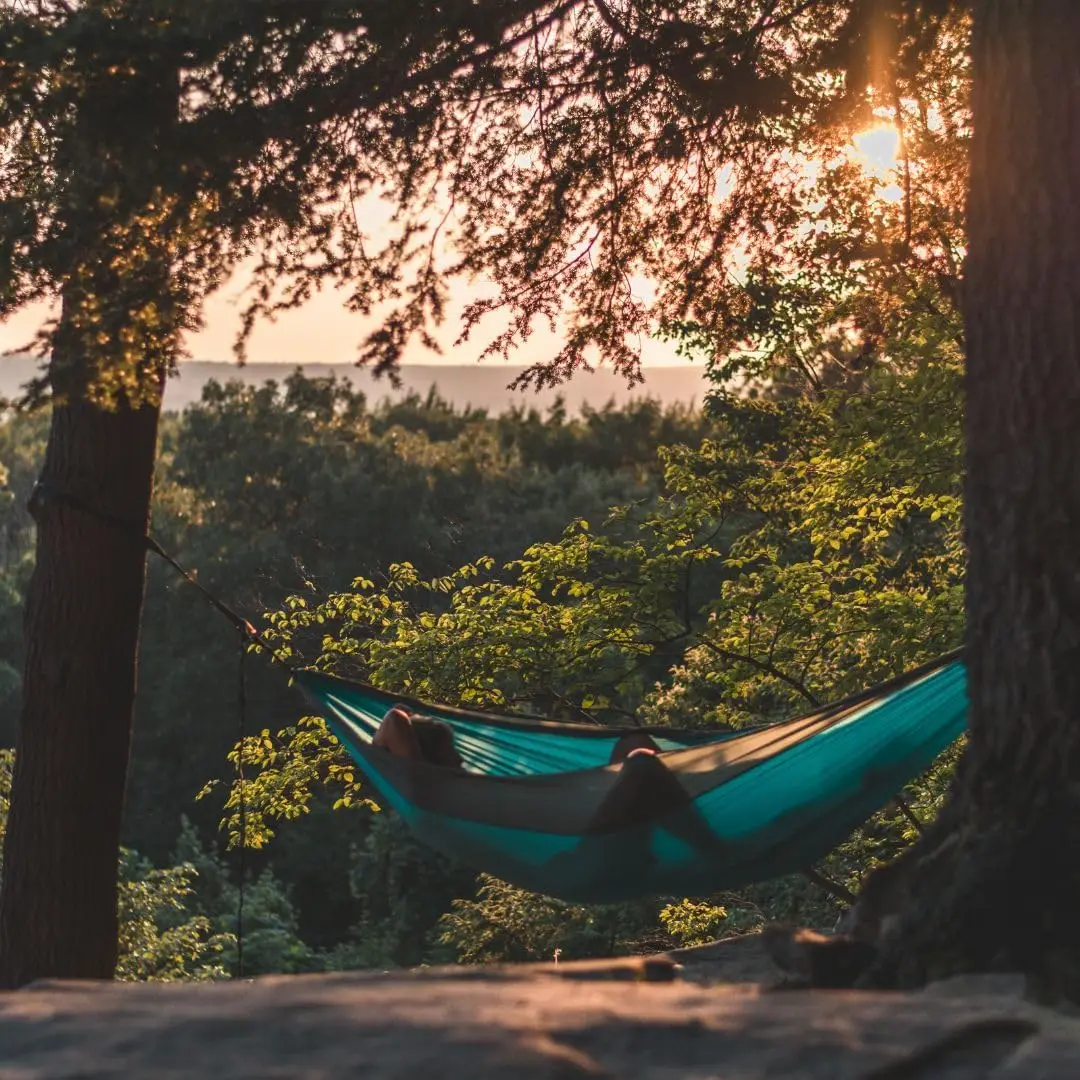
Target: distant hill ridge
[[477, 385]]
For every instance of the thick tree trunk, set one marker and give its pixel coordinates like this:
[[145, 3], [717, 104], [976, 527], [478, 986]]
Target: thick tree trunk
[[1000, 884], [116, 337], [1023, 391], [996, 883], [58, 912]]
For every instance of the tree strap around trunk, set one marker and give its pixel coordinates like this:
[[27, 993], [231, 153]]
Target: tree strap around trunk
[[44, 492]]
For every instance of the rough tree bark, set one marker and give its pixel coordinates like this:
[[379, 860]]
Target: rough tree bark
[[1023, 411], [58, 901], [998, 886], [58, 913], [995, 884]]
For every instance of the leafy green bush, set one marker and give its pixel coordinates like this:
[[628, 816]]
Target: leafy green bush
[[691, 922], [505, 923], [402, 887], [160, 940], [270, 926]]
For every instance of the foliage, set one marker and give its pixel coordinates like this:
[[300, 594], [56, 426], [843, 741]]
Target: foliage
[[507, 923], [845, 460], [809, 546], [160, 941], [584, 145], [257, 491], [694, 923], [299, 487], [839, 381], [834, 534], [838, 545], [270, 925], [22, 442], [402, 888], [849, 566]]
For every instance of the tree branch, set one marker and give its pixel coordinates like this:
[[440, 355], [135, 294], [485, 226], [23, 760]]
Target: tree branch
[[763, 666]]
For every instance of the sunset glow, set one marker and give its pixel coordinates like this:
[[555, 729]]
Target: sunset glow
[[878, 148], [877, 151]]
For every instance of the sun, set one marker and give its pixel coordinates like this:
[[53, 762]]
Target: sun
[[878, 148], [877, 151]]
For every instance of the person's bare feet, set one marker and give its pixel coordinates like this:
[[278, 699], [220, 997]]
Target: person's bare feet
[[635, 742]]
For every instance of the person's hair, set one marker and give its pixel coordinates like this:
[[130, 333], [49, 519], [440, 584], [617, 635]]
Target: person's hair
[[436, 741]]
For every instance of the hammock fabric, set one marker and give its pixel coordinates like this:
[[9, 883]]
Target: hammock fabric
[[539, 806]]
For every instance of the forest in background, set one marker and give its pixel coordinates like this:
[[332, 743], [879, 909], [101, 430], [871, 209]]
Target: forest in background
[[299, 485]]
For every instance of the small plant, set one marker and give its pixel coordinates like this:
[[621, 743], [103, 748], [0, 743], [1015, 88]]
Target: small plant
[[693, 923]]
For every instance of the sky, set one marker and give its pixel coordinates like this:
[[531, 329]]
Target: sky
[[323, 331]]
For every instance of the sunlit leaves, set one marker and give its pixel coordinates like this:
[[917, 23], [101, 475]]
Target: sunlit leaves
[[694, 923], [160, 939], [284, 769], [828, 530], [849, 565]]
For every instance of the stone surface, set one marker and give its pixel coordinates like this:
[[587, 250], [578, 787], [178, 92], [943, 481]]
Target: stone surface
[[659, 1019]]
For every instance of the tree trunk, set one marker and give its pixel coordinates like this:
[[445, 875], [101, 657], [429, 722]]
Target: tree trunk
[[114, 343], [1023, 407], [1000, 885], [58, 911], [995, 883]]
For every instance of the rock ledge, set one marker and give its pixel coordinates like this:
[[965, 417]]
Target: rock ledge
[[656, 1018]]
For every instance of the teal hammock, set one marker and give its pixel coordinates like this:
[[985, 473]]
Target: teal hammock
[[539, 806]]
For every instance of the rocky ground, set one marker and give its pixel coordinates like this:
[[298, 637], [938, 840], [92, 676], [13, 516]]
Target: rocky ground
[[709, 1012]]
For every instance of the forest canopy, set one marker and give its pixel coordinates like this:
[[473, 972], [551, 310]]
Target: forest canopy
[[623, 563]]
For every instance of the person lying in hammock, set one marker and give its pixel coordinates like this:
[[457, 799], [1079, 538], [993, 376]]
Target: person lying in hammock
[[643, 792], [413, 735], [408, 734]]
